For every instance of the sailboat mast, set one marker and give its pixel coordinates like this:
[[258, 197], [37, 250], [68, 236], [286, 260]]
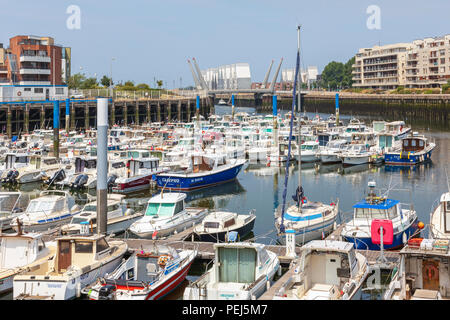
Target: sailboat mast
[[299, 136]]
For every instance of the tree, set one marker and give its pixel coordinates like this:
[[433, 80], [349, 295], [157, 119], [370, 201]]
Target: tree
[[336, 74], [159, 83], [143, 86], [106, 81], [75, 81], [89, 83]]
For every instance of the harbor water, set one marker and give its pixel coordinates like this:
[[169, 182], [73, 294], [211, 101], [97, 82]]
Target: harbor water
[[260, 187]]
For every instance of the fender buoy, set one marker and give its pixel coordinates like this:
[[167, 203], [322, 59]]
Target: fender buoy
[[19, 93]]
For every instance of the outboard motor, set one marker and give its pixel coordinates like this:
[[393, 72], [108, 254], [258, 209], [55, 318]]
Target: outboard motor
[[11, 176], [80, 181], [111, 180], [106, 292], [59, 175]]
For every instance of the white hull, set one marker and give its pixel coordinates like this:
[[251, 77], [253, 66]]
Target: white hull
[[330, 158], [352, 161], [66, 288]]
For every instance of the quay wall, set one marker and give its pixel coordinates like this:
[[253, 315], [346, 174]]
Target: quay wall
[[23, 117]]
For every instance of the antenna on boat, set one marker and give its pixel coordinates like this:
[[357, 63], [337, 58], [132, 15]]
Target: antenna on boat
[[19, 227]]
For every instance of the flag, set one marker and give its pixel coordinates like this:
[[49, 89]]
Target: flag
[[154, 235]]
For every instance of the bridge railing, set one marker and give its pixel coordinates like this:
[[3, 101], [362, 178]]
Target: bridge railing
[[160, 94]]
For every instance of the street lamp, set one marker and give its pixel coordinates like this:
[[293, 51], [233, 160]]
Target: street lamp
[[110, 79]]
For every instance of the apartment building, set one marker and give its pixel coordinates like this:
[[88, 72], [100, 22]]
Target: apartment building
[[428, 63], [33, 68], [420, 64], [381, 67], [32, 60]]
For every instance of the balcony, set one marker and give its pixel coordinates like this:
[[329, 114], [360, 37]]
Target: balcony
[[34, 83], [34, 59], [34, 71], [380, 62]]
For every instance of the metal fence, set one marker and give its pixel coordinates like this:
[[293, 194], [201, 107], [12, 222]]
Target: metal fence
[[136, 95]]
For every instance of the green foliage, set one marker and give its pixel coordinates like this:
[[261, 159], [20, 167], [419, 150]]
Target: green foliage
[[159, 83], [105, 81], [79, 81], [446, 87], [75, 81], [336, 74]]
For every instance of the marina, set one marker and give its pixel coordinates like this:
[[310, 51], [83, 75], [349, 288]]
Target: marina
[[310, 185]]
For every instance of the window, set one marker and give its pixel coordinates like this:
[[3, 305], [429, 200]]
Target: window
[[228, 223], [237, 265], [405, 143], [413, 143], [421, 143], [59, 90], [27, 89], [160, 209], [113, 207], [118, 165], [214, 225], [102, 245], [38, 90], [83, 247], [179, 207]]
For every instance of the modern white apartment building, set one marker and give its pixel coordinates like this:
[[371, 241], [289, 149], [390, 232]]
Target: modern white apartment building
[[420, 64], [232, 76], [428, 63]]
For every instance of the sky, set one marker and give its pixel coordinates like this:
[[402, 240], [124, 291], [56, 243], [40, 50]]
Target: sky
[[153, 39]]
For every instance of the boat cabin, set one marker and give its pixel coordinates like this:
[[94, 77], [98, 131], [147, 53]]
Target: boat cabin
[[367, 138], [324, 268], [165, 205], [381, 208], [137, 167], [18, 250], [414, 143], [219, 220], [326, 137], [445, 212], [13, 160], [79, 251]]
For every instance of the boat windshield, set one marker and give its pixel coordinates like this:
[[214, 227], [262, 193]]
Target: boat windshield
[[41, 206], [160, 209], [90, 207], [371, 213], [78, 220]]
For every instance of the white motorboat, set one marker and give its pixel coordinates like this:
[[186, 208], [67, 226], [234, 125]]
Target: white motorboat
[[440, 218], [79, 261], [356, 154], [146, 275], [217, 225], [166, 214], [9, 208], [50, 210], [119, 218], [20, 252], [326, 270], [330, 153], [309, 151], [241, 271]]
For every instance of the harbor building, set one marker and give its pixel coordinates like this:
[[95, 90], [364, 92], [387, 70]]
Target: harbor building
[[33, 68], [231, 76], [420, 64]]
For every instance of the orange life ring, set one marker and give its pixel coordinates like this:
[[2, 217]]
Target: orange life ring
[[163, 259]]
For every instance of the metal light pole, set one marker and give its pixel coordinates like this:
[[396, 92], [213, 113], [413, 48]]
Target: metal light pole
[[110, 79], [102, 164]]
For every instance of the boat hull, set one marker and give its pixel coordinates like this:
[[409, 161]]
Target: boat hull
[[407, 159], [365, 243], [133, 185], [187, 183], [214, 237]]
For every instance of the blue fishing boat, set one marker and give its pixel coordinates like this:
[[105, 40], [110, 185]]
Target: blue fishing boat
[[373, 207], [203, 171], [414, 149]]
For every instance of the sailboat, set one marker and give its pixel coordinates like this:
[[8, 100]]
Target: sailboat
[[309, 220]]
